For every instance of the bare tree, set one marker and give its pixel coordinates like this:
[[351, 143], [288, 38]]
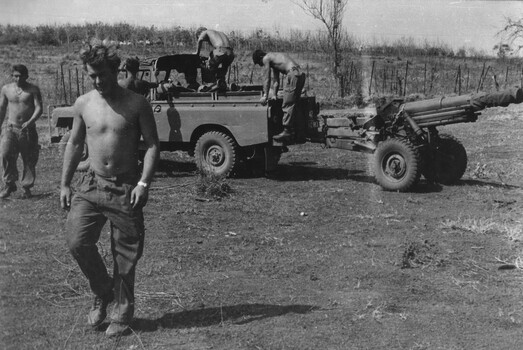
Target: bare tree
[[513, 32], [330, 13]]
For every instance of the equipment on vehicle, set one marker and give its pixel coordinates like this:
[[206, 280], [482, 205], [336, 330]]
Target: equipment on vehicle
[[230, 131]]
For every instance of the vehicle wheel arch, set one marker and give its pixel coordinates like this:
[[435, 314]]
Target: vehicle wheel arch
[[202, 129]]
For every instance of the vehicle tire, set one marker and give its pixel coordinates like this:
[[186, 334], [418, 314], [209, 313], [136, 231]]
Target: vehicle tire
[[84, 161], [446, 161], [396, 165], [215, 153]]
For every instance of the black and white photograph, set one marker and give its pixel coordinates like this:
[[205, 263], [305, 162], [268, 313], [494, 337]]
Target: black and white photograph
[[261, 174]]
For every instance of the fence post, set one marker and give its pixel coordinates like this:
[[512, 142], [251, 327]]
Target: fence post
[[481, 77], [432, 72], [457, 84], [308, 79], [63, 82], [384, 85], [392, 80], [349, 83], [467, 81], [57, 81], [482, 80], [342, 84], [70, 84], [425, 79], [406, 75], [371, 75], [77, 83]]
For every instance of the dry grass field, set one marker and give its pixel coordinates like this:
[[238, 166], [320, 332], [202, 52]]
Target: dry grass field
[[318, 257]]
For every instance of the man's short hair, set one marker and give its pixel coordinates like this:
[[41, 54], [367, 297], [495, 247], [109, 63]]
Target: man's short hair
[[20, 68], [199, 31], [132, 64], [257, 56], [101, 53]]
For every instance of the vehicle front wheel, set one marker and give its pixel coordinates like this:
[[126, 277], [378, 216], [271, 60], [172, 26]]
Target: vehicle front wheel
[[216, 153], [84, 161], [396, 165]]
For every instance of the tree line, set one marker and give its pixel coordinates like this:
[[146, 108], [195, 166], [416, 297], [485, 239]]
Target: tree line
[[73, 35]]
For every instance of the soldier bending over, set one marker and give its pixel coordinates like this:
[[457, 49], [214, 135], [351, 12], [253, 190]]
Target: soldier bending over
[[277, 62]]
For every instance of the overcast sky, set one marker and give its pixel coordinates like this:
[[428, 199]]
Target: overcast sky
[[455, 22]]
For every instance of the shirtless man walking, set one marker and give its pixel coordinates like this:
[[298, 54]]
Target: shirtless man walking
[[277, 62], [111, 120], [221, 56], [22, 102]]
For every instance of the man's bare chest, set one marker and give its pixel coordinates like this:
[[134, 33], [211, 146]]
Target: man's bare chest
[[109, 121], [20, 98]]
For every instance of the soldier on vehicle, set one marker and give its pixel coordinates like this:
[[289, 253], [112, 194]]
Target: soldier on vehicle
[[132, 82], [277, 62], [221, 56], [111, 120], [22, 102]]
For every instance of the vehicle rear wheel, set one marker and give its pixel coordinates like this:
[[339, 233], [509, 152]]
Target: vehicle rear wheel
[[216, 153], [446, 161], [396, 165], [84, 161]]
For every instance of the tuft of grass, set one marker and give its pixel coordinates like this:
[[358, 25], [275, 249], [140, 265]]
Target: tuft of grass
[[474, 225], [212, 187], [512, 230]]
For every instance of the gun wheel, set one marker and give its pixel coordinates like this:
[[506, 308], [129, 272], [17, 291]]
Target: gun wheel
[[446, 160], [84, 161], [216, 153], [396, 165]]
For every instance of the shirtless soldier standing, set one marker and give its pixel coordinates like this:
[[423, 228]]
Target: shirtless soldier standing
[[221, 56], [25, 107], [278, 62], [111, 120]]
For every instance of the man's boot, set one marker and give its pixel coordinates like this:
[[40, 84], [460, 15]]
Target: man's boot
[[98, 311], [8, 189], [285, 136]]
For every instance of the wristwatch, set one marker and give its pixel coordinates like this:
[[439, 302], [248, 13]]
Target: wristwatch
[[143, 184]]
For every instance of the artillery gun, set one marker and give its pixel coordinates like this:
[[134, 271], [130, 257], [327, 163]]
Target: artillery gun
[[404, 139]]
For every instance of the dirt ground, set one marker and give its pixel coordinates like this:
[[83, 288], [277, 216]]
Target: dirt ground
[[318, 257]]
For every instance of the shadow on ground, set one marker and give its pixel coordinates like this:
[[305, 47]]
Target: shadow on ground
[[485, 183], [306, 172], [238, 314], [172, 168]]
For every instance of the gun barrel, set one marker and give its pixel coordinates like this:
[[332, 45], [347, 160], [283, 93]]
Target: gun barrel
[[435, 104], [473, 102], [439, 114]]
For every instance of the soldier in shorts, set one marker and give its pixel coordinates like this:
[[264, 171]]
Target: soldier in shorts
[[111, 120], [221, 56], [22, 102]]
